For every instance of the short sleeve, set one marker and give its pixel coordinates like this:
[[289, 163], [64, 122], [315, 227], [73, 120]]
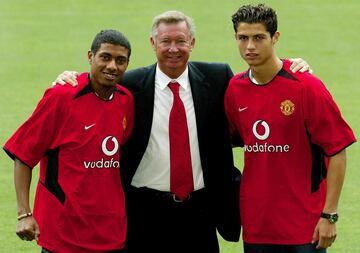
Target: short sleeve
[[325, 125], [35, 136]]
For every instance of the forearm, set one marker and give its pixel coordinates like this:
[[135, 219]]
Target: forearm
[[335, 180], [22, 180]]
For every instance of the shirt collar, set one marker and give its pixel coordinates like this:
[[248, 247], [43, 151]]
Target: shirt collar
[[162, 80]]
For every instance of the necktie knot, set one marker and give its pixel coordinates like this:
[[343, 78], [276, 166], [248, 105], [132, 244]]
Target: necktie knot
[[174, 87]]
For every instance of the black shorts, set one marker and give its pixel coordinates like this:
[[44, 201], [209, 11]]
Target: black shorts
[[276, 248]]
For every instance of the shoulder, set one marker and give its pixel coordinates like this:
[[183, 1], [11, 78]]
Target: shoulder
[[306, 80], [239, 78], [218, 66], [67, 90], [214, 73], [124, 91], [138, 73]]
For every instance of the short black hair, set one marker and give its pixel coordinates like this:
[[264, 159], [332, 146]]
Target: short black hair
[[112, 37], [256, 14]]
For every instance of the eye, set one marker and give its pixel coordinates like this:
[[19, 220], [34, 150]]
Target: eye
[[105, 57], [242, 37], [164, 42], [121, 60], [259, 37], [182, 42]]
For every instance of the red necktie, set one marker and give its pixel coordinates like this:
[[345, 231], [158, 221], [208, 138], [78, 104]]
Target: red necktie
[[181, 179]]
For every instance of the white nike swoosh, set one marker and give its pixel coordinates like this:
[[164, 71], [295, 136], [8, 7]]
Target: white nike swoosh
[[242, 109], [87, 127]]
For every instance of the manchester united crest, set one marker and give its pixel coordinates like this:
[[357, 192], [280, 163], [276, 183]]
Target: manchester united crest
[[124, 123], [287, 107]]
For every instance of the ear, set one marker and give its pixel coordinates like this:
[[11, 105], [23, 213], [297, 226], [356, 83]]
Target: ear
[[192, 43], [276, 37], [90, 56], [152, 42]]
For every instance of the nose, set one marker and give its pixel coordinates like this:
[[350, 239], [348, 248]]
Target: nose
[[173, 47], [250, 44], [111, 65]]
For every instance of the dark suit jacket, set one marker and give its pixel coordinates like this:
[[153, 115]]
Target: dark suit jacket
[[208, 83]]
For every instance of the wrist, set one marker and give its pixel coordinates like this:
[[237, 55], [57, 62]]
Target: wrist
[[331, 217], [24, 215]]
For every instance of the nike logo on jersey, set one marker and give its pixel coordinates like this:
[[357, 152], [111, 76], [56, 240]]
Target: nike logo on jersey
[[242, 109], [88, 127]]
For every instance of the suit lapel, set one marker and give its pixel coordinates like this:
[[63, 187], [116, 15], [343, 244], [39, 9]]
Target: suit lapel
[[200, 93], [144, 104]]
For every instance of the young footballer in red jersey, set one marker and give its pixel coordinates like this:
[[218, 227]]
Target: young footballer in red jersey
[[294, 141], [76, 134]]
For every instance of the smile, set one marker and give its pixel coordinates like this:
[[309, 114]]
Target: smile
[[110, 76]]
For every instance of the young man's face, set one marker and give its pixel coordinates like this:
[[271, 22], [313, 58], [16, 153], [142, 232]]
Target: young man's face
[[108, 65], [172, 46], [255, 44]]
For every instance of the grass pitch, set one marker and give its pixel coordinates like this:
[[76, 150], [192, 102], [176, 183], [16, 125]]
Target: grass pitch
[[39, 39]]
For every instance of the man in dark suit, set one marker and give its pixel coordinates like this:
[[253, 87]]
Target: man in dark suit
[[159, 219]]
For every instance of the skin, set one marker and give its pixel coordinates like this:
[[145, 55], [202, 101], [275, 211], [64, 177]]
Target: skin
[[325, 231], [172, 46], [107, 67], [257, 48], [27, 228]]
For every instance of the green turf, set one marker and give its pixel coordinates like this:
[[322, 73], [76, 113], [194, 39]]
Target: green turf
[[39, 39]]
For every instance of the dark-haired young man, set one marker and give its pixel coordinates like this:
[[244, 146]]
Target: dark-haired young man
[[76, 134], [293, 134]]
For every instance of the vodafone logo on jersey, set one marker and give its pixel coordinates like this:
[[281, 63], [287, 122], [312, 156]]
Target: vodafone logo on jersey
[[266, 131], [261, 131], [109, 146], [104, 146]]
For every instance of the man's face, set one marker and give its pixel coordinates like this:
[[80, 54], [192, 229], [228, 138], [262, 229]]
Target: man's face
[[255, 44], [172, 46], [108, 65]]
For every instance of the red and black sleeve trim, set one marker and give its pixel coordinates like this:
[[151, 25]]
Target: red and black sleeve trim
[[51, 178]]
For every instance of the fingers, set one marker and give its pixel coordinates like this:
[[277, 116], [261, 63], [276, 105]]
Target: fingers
[[67, 77], [36, 232], [26, 235], [300, 65], [315, 235], [28, 230], [325, 243]]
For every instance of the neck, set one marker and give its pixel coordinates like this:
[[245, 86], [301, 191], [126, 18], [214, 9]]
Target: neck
[[266, 72], [104, 92], [172, 73]]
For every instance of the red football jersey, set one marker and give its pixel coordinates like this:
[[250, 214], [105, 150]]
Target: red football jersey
[[79, 203], [287, 128]]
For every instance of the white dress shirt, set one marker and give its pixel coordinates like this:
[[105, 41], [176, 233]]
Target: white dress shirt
[[154, 168]]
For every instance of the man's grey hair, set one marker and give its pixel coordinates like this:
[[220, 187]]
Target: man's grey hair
[[172, 17]]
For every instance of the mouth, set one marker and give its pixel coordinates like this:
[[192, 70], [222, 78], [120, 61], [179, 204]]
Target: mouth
[[251, 56], [174, 57], [109, 76]]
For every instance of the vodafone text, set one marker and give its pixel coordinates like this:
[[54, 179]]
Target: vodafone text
[[266, 148], [265, 133], [109, 141]]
